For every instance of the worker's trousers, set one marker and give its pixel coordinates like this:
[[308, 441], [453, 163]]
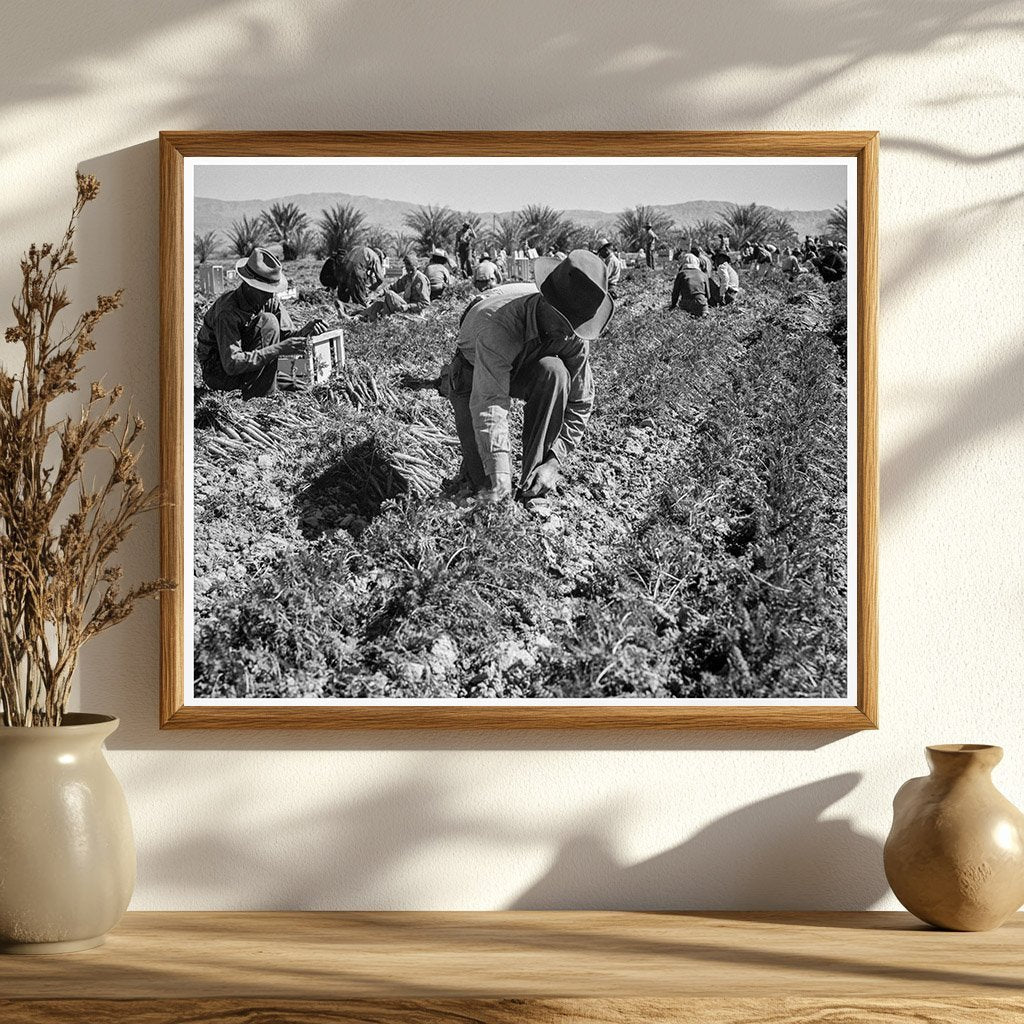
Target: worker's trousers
[[543, 384], [266, 330]]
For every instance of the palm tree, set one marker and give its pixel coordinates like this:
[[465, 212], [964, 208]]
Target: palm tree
[[341, 227], [432, 225], [570, 235], [630, 225], [836, 226], [303, 242], [703, 233], [539, 225], [505, 232], [377, 236], [745, 223], [403, 244], [204, 246], [283, 223], [246, 234], [782, 232]]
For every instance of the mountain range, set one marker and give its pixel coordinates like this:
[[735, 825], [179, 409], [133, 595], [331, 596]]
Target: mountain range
[[218, 214]]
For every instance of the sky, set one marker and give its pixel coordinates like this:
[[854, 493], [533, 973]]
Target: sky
[[608, 186]]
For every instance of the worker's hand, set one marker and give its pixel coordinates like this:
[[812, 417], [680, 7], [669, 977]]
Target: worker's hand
[[293, 346], [501, 491], [542, 480], [313, 327]]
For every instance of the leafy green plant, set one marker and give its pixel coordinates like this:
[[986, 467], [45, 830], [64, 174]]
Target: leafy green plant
[[341, 227], [246, 234], [287, 224]]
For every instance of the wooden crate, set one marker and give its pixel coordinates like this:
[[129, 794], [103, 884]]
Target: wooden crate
[[324, 356]]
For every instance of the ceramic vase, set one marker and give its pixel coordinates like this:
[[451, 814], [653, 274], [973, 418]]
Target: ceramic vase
[[67, 855], [955, 855]]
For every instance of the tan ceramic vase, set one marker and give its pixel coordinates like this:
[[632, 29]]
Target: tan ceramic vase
[[955, 855], [67, 856]]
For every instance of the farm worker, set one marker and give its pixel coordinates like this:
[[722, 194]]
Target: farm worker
[[464, 238], [722, 243], [648, 239], [612, 262], [728, 279], [530, 342], [831, 264], [790, 265], [409, 294], [725, 278], [437, 273], [501, 262], [246, 329], [358, 274], [486, 274], [702, 260], [690, 290]]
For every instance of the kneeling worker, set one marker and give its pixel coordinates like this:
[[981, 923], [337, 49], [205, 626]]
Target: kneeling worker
[[528, 341], [245, 331]]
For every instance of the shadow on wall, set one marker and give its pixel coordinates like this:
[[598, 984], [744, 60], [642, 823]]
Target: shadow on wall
[[778, 853], [392, 844]]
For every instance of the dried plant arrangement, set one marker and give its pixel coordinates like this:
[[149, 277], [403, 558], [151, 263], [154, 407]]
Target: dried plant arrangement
[[58, 531]]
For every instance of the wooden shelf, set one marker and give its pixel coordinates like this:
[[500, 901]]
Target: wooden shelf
[[425, 968]]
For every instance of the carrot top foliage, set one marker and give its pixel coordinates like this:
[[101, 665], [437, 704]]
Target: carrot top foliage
[[702, 546]]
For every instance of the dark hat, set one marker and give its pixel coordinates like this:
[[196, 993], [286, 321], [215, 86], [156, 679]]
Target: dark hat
[[262, 269], [577, 287]]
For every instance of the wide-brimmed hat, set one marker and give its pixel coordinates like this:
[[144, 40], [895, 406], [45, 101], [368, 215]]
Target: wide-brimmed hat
[[437, 251], [577, 288], [690, 262], [602, 242], [262, 269]]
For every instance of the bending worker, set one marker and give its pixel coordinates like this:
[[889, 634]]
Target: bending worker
[[528, 341], [245, 331]]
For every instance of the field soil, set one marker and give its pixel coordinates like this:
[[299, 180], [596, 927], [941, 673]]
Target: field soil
[[699, 547]]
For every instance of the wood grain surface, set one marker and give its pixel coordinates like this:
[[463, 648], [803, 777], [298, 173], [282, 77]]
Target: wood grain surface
[[516, 1011], [527, 955], [176, 146]]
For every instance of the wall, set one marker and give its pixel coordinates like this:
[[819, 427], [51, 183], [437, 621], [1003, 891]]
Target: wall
[[342, 820]]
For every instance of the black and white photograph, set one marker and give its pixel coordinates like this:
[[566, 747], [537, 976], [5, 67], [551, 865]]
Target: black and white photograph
[[524, 431]]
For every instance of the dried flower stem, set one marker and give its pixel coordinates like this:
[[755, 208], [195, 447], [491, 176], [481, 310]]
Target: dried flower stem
[[57, 586]]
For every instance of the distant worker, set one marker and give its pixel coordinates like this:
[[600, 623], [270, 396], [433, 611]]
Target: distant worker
[[529, 342], [648, 239], [702, 259], [464, 239], [690, 292], [727, 278], [410, 294], [607, 253], [831, 263], [438, 273], [246, 330], [790, 265], [501, 262], [356, 275], [486, 274]]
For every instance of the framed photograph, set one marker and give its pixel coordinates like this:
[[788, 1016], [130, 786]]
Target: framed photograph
[[519, 430]]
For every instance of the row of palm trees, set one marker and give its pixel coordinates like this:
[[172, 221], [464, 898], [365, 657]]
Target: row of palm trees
[[543, 227]]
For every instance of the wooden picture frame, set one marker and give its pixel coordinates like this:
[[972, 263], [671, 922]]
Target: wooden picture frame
[[176, 147]]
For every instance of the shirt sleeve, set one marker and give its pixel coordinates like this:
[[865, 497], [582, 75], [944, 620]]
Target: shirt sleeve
[[490, 401], [580, 404], [233, 357], [287, 324]]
